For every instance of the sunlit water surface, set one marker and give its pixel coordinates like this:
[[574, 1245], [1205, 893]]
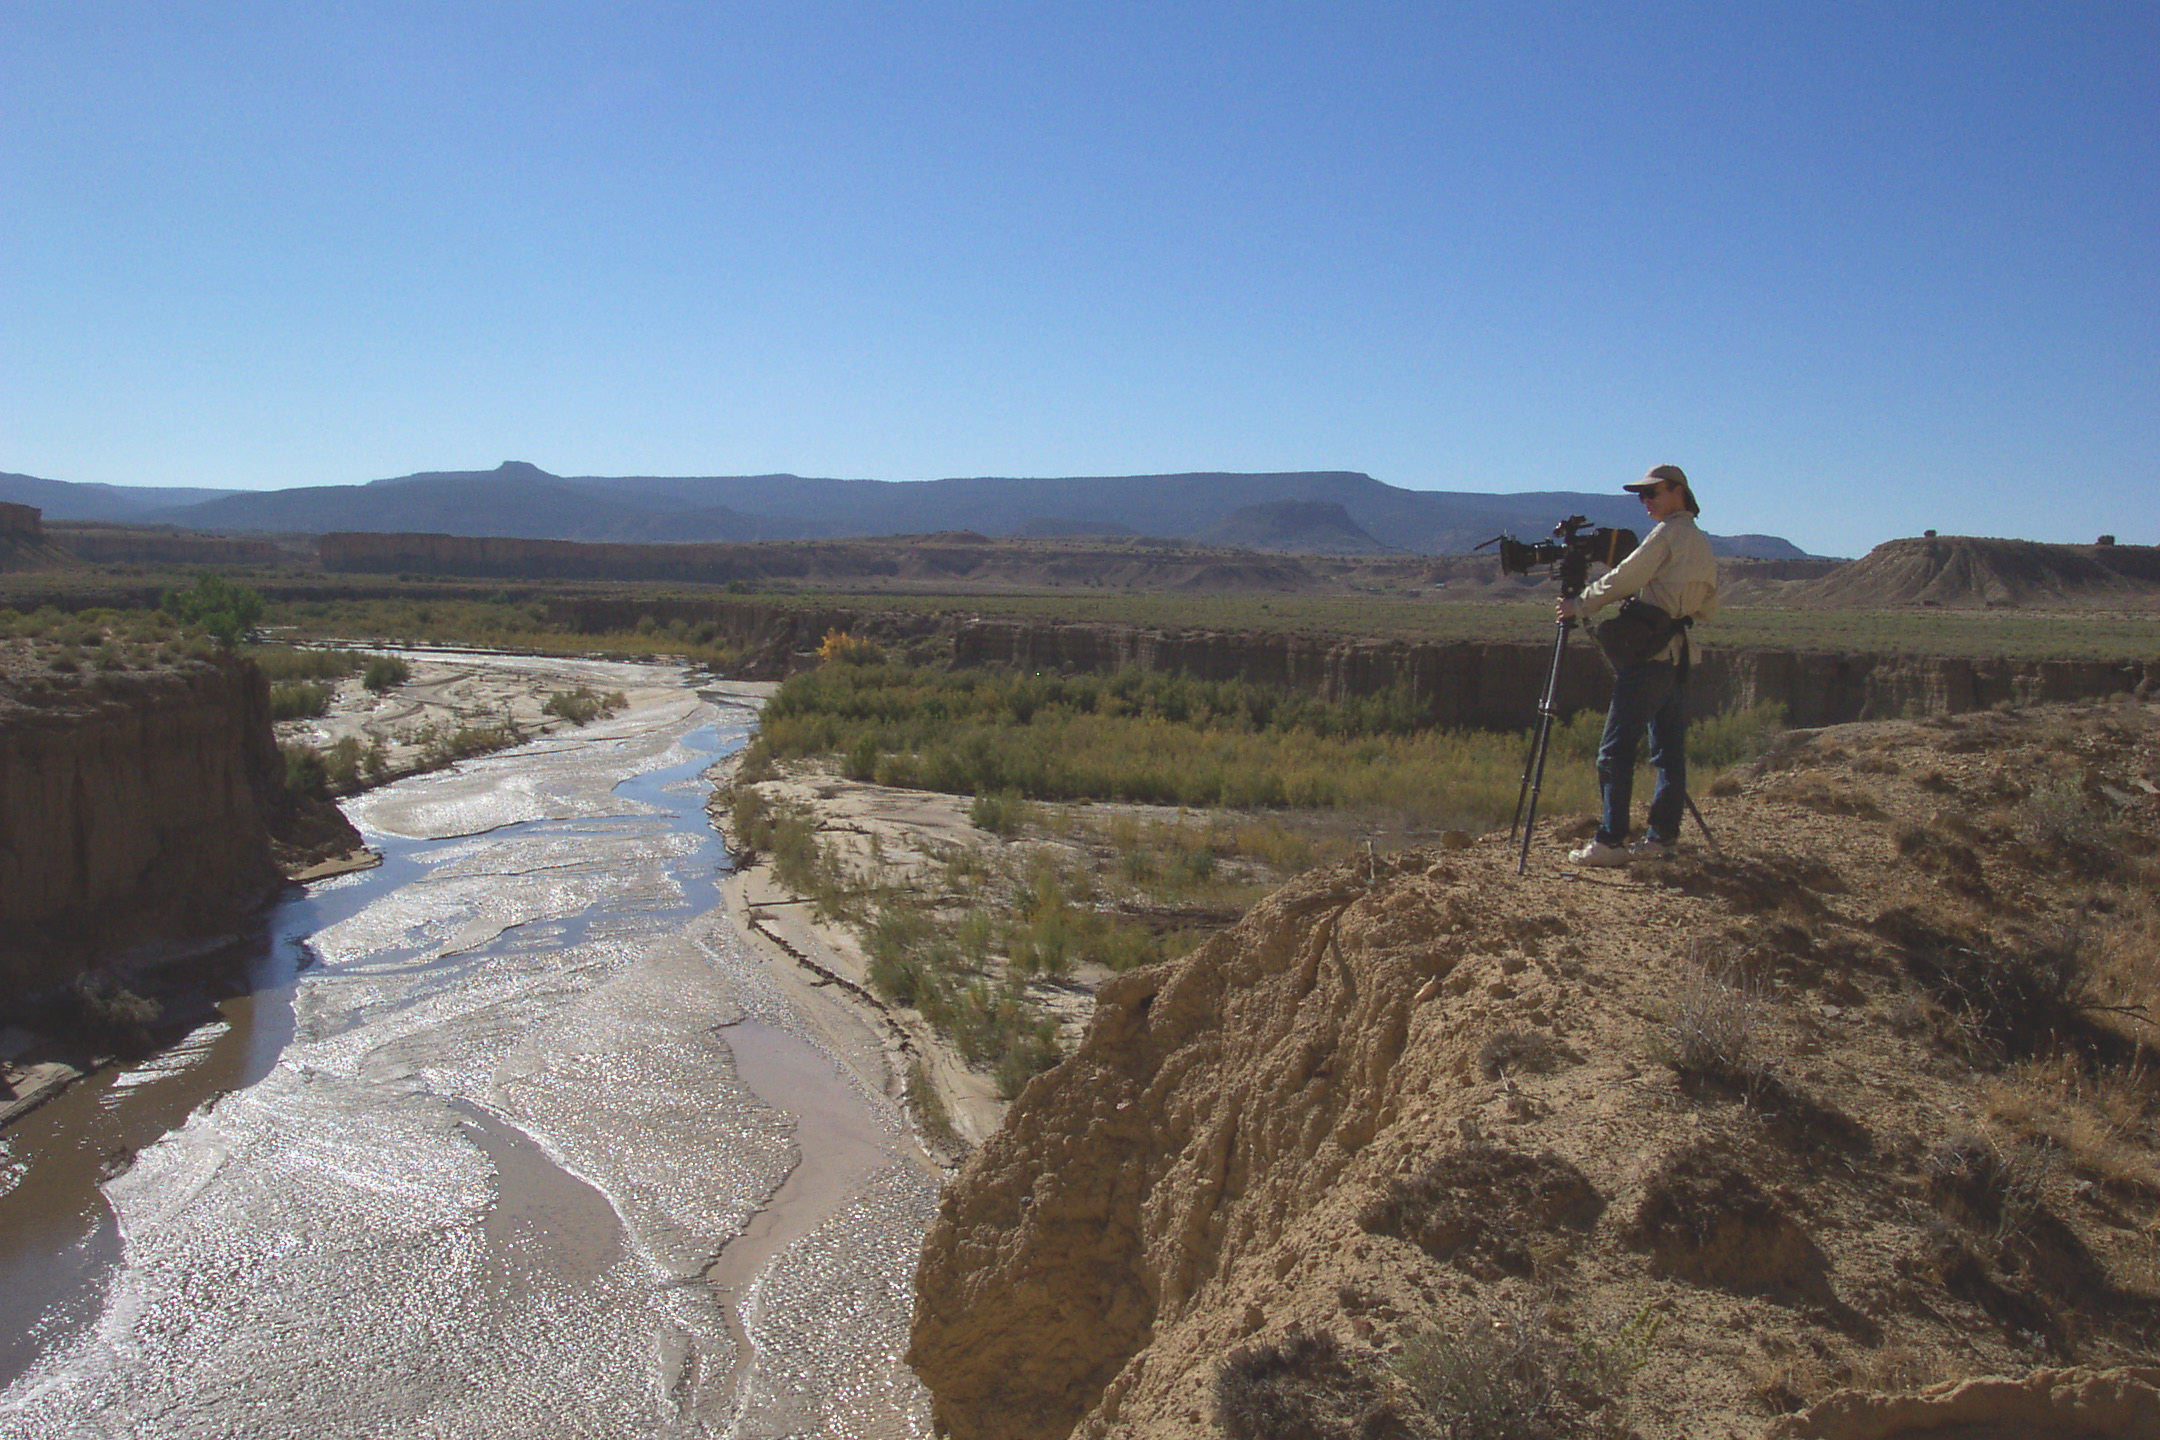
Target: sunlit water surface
[[461, 1163]]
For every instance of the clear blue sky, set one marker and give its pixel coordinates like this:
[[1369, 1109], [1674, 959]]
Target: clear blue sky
[[1862, 269]]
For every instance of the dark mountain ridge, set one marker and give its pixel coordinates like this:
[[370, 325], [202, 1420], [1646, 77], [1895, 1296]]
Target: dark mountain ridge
[[73, 500], [521, 501]]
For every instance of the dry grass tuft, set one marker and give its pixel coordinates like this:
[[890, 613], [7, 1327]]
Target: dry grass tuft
[[2101, 1120], [1712, 1025], [1501, 1377]]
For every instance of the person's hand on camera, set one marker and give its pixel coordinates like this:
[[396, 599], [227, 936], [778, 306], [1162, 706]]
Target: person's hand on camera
[[1565, 608]]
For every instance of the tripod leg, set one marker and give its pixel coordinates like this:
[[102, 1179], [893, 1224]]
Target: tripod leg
[[1535, 757], [1537, 784], [1534, 768], [1523, 794], [1703, 825]]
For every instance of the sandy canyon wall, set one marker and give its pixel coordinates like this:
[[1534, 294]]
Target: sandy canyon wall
[[140, 812]]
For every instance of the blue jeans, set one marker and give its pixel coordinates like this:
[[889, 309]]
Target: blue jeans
[[1645, 696]]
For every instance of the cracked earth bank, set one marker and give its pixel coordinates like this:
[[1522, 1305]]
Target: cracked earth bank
[[549, 1151]]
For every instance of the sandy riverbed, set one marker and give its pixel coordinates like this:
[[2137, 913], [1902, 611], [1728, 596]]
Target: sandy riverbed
[[551, 1146]]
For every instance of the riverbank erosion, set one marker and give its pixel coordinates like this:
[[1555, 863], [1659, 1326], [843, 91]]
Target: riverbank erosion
[[1861, 1105], [143, 812]]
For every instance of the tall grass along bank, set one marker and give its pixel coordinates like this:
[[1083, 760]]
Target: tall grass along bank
[[1163, 739]]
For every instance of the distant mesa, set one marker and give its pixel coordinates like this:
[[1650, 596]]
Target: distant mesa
[[1756, 547], [1295, 527], [1971, 572], [1324, 512]]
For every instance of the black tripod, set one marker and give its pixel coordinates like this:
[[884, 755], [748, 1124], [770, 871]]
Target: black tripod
[[1533, 778]]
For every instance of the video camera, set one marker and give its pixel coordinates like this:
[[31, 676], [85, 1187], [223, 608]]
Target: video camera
[[1575, 546]]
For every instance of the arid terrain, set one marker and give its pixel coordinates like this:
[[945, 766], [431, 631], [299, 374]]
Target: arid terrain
[[1860, 1102], [1863, 1102]]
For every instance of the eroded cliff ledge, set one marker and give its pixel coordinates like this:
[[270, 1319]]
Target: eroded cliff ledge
[[1706, 1140], [140, 812]]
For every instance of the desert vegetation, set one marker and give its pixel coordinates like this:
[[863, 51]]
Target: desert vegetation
[[530, 622], [502, 623], [1164, 739], [223, 609], [49, 646], [1133, 816]]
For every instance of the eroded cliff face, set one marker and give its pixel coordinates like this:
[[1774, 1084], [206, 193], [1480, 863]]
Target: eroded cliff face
[[140, 812], [1705, 1140]]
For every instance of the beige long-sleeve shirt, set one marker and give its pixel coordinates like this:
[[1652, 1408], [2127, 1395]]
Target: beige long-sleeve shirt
[[1672, 569]]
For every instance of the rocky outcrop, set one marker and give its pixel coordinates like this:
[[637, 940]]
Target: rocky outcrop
[[141, 812], [20, 522], [1495, 685], [1679, 1149], [1976, 572]]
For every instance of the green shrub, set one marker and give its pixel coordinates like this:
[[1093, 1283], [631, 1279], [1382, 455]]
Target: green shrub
[[304, 772], [111, 1016], [227, 612], [928, 1106], [283, 664], [584, 704], [302, 700], [385, 672], [1001, 814], [318, 771]]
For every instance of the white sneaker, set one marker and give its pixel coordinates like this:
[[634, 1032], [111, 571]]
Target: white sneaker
[[1597, 852], [1652, 848]]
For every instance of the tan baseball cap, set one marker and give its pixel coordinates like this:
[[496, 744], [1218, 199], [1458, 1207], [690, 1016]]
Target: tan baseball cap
[[1658, 475]]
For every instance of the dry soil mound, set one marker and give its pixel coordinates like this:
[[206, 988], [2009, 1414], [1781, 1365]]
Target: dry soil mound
[[1960, 570], [1867, 1102]]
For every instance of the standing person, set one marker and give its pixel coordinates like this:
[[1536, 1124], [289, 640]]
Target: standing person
[[1673, 570]]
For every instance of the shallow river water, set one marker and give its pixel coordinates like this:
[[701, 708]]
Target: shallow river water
[[514, 1137]]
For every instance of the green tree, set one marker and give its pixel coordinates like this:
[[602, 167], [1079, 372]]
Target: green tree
[[227, 611]]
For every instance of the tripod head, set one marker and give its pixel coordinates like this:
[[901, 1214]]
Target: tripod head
[[1575, 546]]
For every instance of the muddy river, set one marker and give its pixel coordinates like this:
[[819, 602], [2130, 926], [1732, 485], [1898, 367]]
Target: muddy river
[[514, 1136]]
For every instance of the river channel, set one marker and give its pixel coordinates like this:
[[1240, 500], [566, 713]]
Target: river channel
[[514, 1135]]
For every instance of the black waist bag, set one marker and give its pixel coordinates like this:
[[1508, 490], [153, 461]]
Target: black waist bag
[[1637, 631]]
